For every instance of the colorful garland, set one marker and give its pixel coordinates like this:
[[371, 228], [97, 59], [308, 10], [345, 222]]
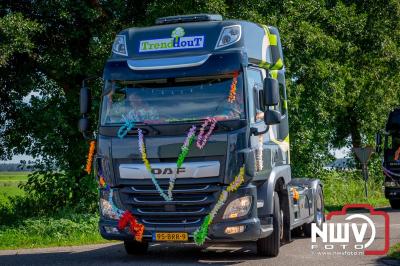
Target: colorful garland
[[124, 218], [109, 208], [201, 233], [184, 151], [126, 127], [103, 183], [201, 138], [135, 227], [232, 92], [201, 142], [259, 153], [146, 162], [89, 161]]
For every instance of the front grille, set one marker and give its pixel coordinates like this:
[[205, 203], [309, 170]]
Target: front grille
[[191, 203]]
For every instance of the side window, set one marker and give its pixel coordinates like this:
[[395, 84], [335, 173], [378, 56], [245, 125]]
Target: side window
[[282, 103], [254, 82], [281, 107]]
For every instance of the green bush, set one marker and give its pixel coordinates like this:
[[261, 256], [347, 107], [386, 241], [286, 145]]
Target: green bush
[[50, 192]]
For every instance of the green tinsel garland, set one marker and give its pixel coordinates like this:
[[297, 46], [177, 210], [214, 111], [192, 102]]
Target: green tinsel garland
[[201, 233]]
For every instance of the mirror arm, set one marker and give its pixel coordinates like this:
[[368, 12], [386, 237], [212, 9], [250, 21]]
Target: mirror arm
[[254, 131]]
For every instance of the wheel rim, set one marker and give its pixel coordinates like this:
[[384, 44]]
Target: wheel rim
[[281, 226], [319, 216]]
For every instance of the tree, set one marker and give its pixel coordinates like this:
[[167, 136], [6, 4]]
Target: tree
[[342, 61], [54, 45]]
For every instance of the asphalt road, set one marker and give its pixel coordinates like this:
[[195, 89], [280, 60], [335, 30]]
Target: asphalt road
[[296, 253]]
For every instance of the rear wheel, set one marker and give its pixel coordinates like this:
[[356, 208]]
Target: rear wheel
[[269, 246], [395, 203], [319, 213], [136, 248]]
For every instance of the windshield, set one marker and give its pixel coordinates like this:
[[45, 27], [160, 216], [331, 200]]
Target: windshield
[[175, 100]]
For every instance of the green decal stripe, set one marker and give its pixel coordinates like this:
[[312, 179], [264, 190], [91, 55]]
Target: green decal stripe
[[274, 74], [273, 39], [264, 64], [278, 65]]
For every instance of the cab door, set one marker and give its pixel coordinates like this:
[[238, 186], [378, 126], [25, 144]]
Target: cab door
[[259, 136]]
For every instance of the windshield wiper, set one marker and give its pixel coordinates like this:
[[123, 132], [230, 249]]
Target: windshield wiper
[[155, 131]]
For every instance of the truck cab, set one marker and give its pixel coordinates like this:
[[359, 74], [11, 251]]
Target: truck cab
[[223, 81], [391, 157]]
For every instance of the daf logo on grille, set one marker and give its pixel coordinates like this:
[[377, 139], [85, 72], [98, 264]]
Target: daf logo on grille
[[167, 171]]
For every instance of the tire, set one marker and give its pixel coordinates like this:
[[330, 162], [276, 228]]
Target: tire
[[395, 203], [136, 248], [319, 212], [269, 246]]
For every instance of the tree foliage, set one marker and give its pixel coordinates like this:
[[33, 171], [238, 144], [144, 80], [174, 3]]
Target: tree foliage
[[342, 60]]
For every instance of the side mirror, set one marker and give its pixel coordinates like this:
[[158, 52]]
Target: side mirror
[[272, 117], [378, 141], [83, 125], [84, 105], [271, 92], [84, 100]]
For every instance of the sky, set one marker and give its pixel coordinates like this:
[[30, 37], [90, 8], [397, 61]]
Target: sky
[[18, 158]]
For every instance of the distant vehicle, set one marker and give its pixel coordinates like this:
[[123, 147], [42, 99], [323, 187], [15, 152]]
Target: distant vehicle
[[178, 74], [391, 157]]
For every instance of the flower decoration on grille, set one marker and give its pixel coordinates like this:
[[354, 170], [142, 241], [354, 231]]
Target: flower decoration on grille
[[135, 228]]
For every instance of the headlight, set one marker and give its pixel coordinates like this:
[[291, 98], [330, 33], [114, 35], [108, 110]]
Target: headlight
[[238, 208], [119, 45], [228, 36]]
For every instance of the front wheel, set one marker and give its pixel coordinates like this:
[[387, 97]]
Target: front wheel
[[395, 203], [136, 248], [319, 212], [269, 246]]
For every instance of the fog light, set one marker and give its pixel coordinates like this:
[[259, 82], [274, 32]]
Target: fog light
[[234, 229], [237, 208], [111, 230]]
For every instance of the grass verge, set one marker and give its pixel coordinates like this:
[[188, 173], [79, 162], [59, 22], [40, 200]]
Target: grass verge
[[394, 252], [70, 230], [9, 184], [345, 187]]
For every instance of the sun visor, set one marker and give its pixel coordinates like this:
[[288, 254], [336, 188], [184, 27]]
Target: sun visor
[[172, 41], [202, 65]]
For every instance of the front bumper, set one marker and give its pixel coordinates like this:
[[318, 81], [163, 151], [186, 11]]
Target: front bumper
[[254, 228], [253, 231]]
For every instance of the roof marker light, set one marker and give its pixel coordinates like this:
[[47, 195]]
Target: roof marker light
[[228, 36], [119, 45]]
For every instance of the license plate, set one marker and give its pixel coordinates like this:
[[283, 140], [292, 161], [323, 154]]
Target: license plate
[[171, 237]]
